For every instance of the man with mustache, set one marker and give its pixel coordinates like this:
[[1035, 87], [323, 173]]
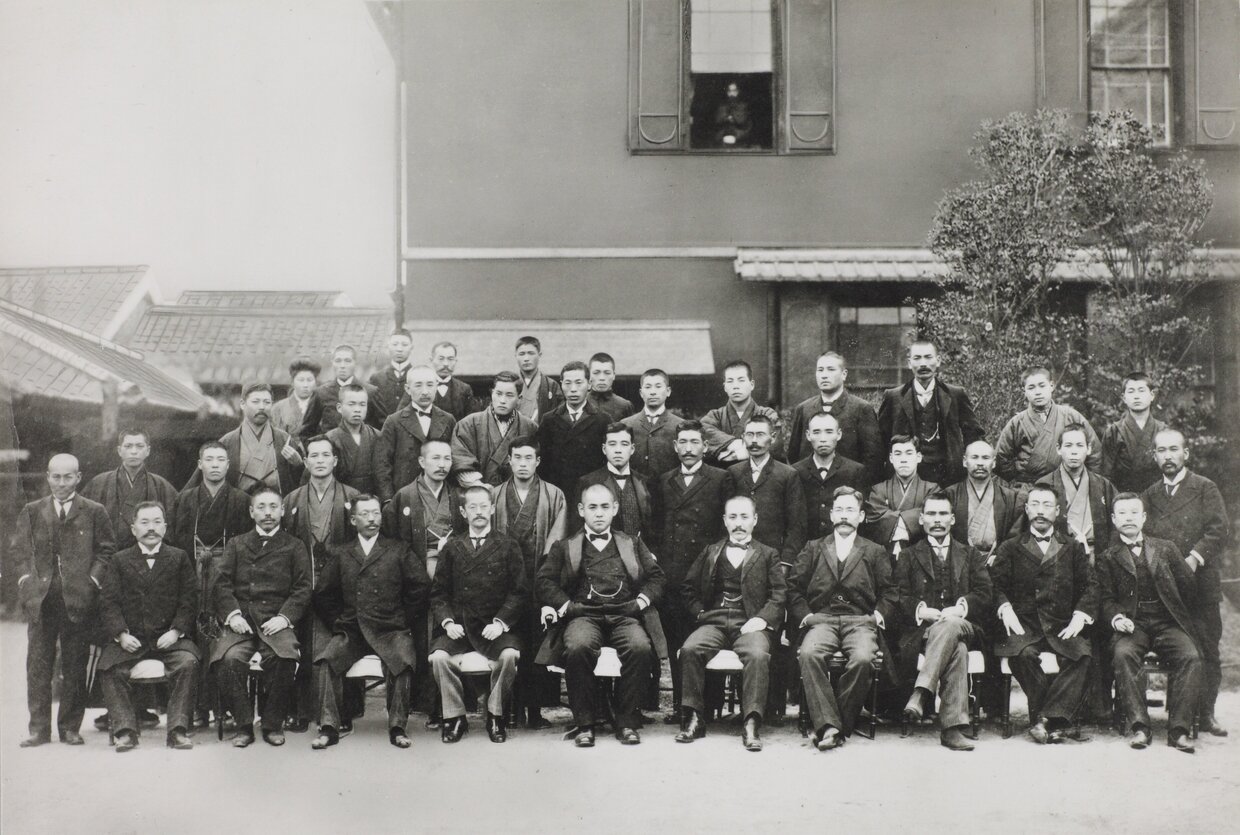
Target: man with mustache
[[986, 511], [398, 452], [735, 593], [1046, 595], [260, 455]]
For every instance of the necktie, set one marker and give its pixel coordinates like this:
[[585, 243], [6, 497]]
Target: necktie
[[940, 551], [597, 537], [822, 473], [1170, 489], [653, 419], [478, 540], [60, 511]]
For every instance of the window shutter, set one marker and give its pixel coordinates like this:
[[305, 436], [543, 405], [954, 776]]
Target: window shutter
[[1214, 73], [1062, 69], [656, 75], [809, 75]]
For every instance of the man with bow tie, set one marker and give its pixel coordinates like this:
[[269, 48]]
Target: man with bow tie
[[389, 381], [824, 471], [478, 596], [735, 593], [148, 607], [400, 442], [453, 395], [481, 440], [1045, 597], [636, 516], [858, 436], [654, 427], [1148, 592]]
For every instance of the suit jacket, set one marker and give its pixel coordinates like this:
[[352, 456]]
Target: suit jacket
[[474, 588], [147, 602], [296, 520], [780, 503], [692, 517], [863, 581], [357, 464], [570, 450], [262, 581], [919, 582], [323, 412], [722, 426], [843, 472], [1007, 508], [390, 389], [858, 422], [183, 523], [105, 489], [645, 503], [86, 547], [1117, 583], [957, 421], [289, 473], [479, 446], [763, 585], [459, 401], [1194, 519], [400, 444], [884, 508], [1101, 496], [1044, 592], [370, 602], [403, 518], [654, 447]]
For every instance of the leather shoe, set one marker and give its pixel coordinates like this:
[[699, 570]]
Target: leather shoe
[[535, 721], [126, 741], [1212, 727], [495, 729], [346, 727], [692, 727], [72, 738], [828, 739], [453, 729], [914, 711], [297, 726], [1038, 733], [397, 737], [327, 737], [101, 722], [1140, 738], [1181, 742], [275, 738], [629, 736], [954, 740], [433, 723], [749, 735], [243, 739], [584, 738], [673, 717], [148, 719], [178, 740], [34, 741]]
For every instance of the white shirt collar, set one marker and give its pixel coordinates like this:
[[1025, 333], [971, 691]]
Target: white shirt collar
[[65, 504], [1131, 542], [690, 470], [1180, 476], [844, 543], [482, 535], [820, 465], [830, 401], [262, 535], [367, 544], [343, 383], [616, 474], [757, 468], [443, 381], [923, 391], [402, 366], [149, 552], [651, 414], [934, 544]]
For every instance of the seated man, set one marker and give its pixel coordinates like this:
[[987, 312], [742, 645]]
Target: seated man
[[263, 588], [148, 607], [839, 594], [1147, 592], [944, 594], [369, 593], [1046, 596], [603, 591], [735, 593], [477, 599]]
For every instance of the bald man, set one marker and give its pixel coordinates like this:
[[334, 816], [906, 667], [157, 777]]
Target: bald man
[[63, 543], [400, 442]]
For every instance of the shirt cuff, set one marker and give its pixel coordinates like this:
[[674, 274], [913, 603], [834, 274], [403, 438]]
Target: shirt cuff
[[1194, 556], [502, 625], [646, 599], [964, 606], [1088, 620], [563, 608], [878, 616], [1115, 620], [444, 623], [921, 604], [232, 614], [1005, 607]]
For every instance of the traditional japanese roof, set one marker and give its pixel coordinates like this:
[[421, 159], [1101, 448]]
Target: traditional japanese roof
[[97, 300], [266, 299]]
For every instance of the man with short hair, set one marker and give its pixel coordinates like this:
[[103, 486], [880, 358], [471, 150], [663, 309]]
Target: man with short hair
[[323, 413], [290, 413], [636, 513], [400, 442], [725, 426], [602, 369], [571, 437], [260, 455], [453, 395], [893, 509], [1128, 443], [148, 606], [62, 545], [389, 381], [356, 442], [477, 598], [1028, 449], [857, 422], [1083, 495], [1187, 509], [540, 395], [654, 427], [775, 488], [735, 593], [481, 440], [938, 414], [986, 511], [824, 470], [121, 490]]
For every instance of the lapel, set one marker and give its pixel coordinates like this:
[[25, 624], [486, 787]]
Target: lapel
[[830, 557], [957, 559], [74, 509], [906, 401], [851, 561], [161, 566], [748, 561], [408, 419], [924, 557], [587, 411], [48, 511], [687, 492], [476, 559], [712, 559], [1125, 559], [1031, 549], [1184, 494], [763, 475], [136, 563], [364, 559], [1051, 550], [440, 420]]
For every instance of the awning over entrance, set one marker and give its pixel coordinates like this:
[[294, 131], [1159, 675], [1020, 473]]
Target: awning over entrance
[[679, 347]]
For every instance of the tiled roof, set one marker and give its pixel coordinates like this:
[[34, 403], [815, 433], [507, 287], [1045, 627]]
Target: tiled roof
[[39, 355], [267, 299], [94, 299]]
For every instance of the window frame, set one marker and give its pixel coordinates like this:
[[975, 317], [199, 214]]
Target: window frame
[[907, 327]]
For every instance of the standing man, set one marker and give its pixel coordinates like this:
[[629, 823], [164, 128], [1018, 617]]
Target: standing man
[[859, 438], [735, 593], [454, 396], [725, 425], [1046, 595], [654, 427], [400, 443], [893, 510], [389, 381], [539, 393], [63, 544], [477, 599], [260, 455], [290, 413], [369, 594], [1028, 445], [1128, 443], [938, 414], [1083, 495], [120, 491], [824, 470], [481, 440], [775, 489], [356, 441], [1187, 509], [602, 377], [636, 515], [571, 437], [148, 607], [263, 590], [984, 509], [323, 414]]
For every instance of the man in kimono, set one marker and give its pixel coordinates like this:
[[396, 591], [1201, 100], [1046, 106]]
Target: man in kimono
[[893, 509], [858, 424], [1128, 443], [724, 427], [121, 490], [290, 413], [389, 381], [986, 511], [1028, 446], [356, 441], [260, 455], [654, 427], [481, 440], [539, 393], [602, 377]]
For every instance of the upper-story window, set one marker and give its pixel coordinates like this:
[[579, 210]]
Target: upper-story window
[[731, 75], [1130, 60]]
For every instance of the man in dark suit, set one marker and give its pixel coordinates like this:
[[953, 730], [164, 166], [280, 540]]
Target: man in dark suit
[[404, 433], [368, 593], [357, 442], [602, 376], [454, 396], [571, 437], [264, 588], [323, 413], [1147, 592], [944, 594], [481, 440], [539, 393], [725, 426], [1187, 508], [636, 516], [63, 544], [260, 455], [601, 583], [735, 593], [148, 607], [840, 593], [824, 470], [478, 597], [120, 491], [986, 511], [859, 438], [1045, 597], [937, 413], [389, 381], [775, 488], [654, 427]]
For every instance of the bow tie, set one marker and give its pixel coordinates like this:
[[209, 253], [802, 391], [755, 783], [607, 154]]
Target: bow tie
[[732, 544], [421, 413], [1043, 539], [598, 537]]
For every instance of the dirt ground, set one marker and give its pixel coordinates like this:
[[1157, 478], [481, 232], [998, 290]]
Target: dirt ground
[[537, 783]]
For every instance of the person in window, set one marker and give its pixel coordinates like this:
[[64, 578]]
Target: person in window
[[733, 123]]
